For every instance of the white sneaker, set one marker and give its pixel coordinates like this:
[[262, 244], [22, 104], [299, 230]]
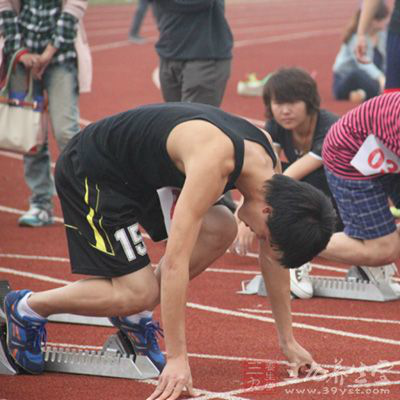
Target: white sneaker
[[378, 274], [36, 217], [252, 86], [396, 287], [300, 282]]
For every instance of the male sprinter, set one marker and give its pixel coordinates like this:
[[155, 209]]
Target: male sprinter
[[361, 154], [110, 179]]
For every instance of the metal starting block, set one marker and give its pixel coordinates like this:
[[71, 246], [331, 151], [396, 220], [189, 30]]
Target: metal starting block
[[254, 286], [353, 287], [80, 319], [117, 359]]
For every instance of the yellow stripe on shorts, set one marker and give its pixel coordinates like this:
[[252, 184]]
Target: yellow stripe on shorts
[[100, 243]]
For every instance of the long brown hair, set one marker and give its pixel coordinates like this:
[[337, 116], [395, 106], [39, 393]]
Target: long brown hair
[[381, 13]]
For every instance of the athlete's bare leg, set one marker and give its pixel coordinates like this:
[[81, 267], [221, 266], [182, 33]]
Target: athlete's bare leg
[[217, 233], [105, 297], [374, 252], [138, 291]]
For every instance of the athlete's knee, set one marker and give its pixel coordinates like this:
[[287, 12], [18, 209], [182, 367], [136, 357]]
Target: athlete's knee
[[138, 296], [393, 252], [384, 250], [220, 226]]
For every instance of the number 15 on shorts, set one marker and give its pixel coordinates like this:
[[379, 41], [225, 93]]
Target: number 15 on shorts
[[131, 241]]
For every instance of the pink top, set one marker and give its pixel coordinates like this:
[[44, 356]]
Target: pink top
[[365, 142]]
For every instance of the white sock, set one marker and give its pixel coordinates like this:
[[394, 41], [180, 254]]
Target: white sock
[[137, 317], [24, 310]]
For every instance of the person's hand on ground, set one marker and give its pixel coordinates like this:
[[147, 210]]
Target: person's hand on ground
[[175, 379], [300, 360]]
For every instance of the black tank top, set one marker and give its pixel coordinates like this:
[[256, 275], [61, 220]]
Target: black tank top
[[130, 148]]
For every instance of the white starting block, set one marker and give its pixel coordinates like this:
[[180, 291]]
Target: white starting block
[[117, 358], [353, 287]]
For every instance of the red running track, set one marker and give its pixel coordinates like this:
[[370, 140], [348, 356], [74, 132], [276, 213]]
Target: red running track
[[224, 330]]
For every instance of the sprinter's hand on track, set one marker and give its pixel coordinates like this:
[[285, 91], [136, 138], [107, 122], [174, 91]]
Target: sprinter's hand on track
[[175, 379], [300, 360]]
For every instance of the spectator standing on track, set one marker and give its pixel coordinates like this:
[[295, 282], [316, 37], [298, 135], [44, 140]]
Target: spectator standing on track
[[357, 81], [137, 20], [361, 155], [195, 50], [149, 165], [392, 74], [52, 43]]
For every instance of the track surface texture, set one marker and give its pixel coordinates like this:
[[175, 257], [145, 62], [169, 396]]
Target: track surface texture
[[227, 333]]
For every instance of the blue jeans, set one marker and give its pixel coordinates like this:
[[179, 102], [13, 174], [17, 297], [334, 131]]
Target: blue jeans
[[393, 61], [356, 79], [61, 84]]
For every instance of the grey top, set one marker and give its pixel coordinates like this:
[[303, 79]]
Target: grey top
[[346, 61], [193, 30]]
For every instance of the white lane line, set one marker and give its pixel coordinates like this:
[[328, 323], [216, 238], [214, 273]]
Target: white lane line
[[221, 357], [286, 37], [9, 154], [223, 311], [325, 378], [324, 316], [231, 271], [318, 329], [30, 257], [20, 212], [264, 319], [62, 259], [216, 270], [237, 44], [114, 28], [67, 260], [31, 275]]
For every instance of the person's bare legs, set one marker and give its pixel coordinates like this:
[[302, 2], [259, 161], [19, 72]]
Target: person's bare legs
[[106, 297], [217, 233], [138, 291], [374, 252]]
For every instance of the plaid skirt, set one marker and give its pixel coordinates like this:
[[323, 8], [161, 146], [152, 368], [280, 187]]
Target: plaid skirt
[[363, 204]]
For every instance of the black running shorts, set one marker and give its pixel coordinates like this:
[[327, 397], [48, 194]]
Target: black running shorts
[[102, 218], [102, 223]]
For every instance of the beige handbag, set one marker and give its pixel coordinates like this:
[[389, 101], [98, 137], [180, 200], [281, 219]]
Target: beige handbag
[[22, 122]]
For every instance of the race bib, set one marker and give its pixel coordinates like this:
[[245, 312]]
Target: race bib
[[374, 158], [168, 198]]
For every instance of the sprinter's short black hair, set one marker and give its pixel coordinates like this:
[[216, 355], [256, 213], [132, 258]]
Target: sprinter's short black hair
[[301, 222]]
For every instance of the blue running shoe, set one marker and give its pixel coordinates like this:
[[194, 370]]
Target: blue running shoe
[[143, 337], [24, 335]]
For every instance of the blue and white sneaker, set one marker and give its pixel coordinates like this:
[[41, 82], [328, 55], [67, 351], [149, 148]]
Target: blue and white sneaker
[[36, 217], [24, 335], [143, 337]]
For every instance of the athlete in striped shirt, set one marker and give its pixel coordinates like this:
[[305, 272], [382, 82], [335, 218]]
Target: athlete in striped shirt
[[361, 155]]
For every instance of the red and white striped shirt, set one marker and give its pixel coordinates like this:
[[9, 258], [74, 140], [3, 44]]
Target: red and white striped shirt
[[365, 142]]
